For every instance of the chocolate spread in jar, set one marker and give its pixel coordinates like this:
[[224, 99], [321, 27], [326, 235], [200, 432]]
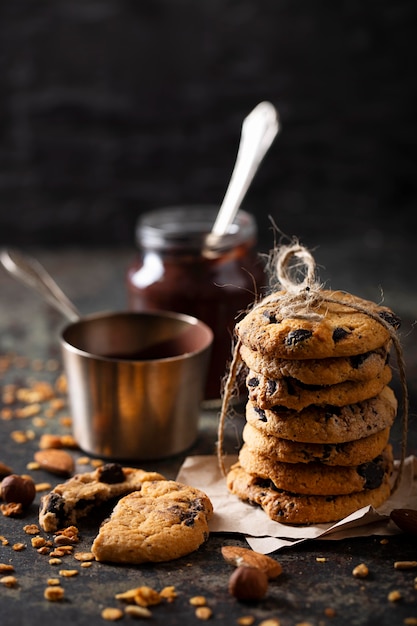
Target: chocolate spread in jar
[[171, 272]]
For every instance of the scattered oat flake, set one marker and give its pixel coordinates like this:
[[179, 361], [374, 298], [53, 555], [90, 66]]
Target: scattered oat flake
[[53, 582], [405, 564], [4, 541], [198, 601], [86, 564], [18, 547], [55, 561], [68, 573], [394, 596], [137, 611], [31, 529], [168, 593], [83, 460], [360, 571], [111, 614], [8, 581], [245, 620], [203, 612], [53, 593], [43, 487], [84, 556], [321, 559], [6, 567], [11, 509]]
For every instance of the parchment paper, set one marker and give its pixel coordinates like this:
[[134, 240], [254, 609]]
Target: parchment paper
[[264, 535]]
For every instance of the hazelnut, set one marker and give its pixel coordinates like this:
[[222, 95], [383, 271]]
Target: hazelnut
[[18, 489], [248, 583]]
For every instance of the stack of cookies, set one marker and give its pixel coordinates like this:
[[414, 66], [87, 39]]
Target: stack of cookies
[[318, 419]]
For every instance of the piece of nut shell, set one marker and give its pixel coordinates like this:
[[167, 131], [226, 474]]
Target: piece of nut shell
[[406, 519], [237, 556], [55, 461], [5, 470]]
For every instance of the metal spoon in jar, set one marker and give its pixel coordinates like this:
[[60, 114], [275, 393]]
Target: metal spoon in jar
[[259, 130]]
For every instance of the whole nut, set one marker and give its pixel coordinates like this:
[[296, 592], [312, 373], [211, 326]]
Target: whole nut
[[18, 489], [248, 583]]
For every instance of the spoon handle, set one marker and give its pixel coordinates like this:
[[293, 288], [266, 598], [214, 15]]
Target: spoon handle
[[259, 129], [30, 272]]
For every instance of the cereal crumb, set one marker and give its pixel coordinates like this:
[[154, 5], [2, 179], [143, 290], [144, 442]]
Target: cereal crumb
[[360, 571], [6, 567], [55, 561], [394, 596], [53, 582], [168, 593], [405, 564], [203, 612], [84, 556], [111, 614], [245, 620], [68, 573], [18, 547], [137, 611], [8, 581], [31, 529], [53, 593], [198, 601], [321, 559]]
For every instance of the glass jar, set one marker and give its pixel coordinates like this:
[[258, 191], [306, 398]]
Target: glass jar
[[172, 272]]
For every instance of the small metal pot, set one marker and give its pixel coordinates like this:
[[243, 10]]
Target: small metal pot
[[135, 380]]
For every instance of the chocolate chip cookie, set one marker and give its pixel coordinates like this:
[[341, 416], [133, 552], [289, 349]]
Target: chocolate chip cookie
[[163, 521], [327, 424], [76, 497], [314, 478], [349, 453], [289, 508], [331, 371], [322, 330], [291, 393]]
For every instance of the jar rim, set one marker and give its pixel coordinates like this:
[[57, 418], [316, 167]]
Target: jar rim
[[186, 228]]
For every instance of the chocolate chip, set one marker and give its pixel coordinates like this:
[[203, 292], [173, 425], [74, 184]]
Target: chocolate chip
[[390, 317], [56, 506], [253, 382], [358, 359], [261, 413], [270, 317], [340, 333], [271, 386], [111, 473], [373, 472], [297, 336]]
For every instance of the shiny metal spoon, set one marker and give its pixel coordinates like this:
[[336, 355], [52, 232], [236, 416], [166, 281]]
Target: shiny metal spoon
[[30, 272], [259, 130]]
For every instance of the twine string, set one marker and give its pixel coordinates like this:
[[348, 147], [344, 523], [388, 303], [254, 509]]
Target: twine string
[[301, 297]]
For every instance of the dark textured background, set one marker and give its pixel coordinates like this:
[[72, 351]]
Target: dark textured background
[[112, 107]]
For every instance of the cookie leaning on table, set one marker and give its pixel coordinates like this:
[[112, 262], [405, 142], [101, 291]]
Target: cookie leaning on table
[[327, 424], [320, 330], [163, 521], [290, 508], [79, 495], [315, 478], [349, 453], [288, 392], [331, 371]]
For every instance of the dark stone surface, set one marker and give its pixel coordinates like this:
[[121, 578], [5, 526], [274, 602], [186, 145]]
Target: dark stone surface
[[109, 108], [308, 586]]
